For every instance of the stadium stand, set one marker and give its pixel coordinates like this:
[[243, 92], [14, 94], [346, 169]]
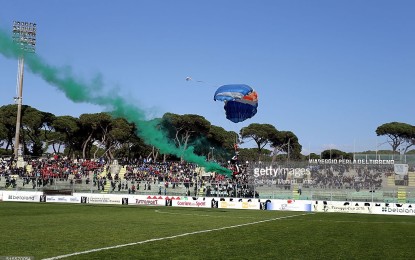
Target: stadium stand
[[325, 182]]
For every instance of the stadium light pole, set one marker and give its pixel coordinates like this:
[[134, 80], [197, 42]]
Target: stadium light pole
[[24, 35]]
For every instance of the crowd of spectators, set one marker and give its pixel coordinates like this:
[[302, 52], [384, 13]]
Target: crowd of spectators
[[345, 177], [166, 177], [45, 171], [173, 175], [139, 175], [332, 177]]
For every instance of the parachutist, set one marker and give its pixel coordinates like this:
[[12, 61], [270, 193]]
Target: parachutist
[[241, 101]]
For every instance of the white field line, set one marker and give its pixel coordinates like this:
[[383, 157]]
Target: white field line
[[172, 237]]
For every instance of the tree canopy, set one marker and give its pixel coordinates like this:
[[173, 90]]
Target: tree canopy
[[398, 134], [104, 135]]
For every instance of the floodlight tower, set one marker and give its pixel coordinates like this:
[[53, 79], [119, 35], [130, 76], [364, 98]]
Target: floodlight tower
[[24, 35]]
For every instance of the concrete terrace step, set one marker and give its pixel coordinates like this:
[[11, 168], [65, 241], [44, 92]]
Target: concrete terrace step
[[107, 187], [391, 181], [401, 195], [411, 179], [104, 173], [122, 172]]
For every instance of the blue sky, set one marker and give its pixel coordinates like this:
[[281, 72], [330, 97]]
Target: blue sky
[[329, 71]]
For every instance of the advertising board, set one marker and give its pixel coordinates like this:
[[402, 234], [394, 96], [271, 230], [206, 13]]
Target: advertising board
[[63, 199], [229, 203], [99, 198], [345, 206], [21, 196], [289, 205], [223, 203], [198, 203], [143, 200], [394, 209]]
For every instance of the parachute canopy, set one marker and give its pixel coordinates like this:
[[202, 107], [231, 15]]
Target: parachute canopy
[[241, 101]]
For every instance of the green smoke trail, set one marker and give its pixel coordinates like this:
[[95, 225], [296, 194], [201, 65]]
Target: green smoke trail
[[92, 92]]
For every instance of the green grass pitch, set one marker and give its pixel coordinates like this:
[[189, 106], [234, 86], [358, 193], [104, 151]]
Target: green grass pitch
[[51, 230]]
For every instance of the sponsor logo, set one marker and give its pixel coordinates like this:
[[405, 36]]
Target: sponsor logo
[[191, 203], [146, 202], [21, 197], [50, 199], [286, 206], [344, 208], [249, 205], [398, 210], [103, 200], [347, 208], [224, 204], [61, 199], [283, 206]]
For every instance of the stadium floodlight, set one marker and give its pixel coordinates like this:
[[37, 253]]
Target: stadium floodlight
[[24, 35]]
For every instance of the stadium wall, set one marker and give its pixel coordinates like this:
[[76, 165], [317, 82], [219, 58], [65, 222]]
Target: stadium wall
[[407, 209]]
